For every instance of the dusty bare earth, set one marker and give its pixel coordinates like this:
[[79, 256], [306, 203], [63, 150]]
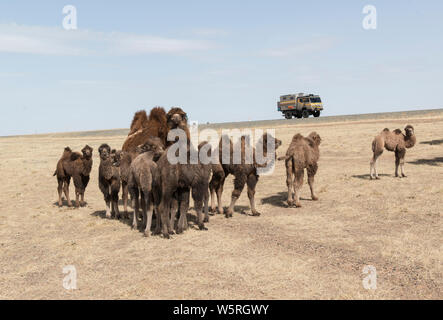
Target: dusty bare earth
[[317, 251]]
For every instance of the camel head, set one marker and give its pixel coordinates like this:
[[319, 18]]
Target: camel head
[[116, 157], [86, 151], [154, 145], [409, 130], [314, 136], [104, 151], [177, 118]]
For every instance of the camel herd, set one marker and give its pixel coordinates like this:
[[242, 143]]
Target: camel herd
[[143, 171]]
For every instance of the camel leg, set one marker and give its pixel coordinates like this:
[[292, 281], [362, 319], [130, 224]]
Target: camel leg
[[184, 206], [135, 215], [312, 170], [213, 208], [115, 188], [219, 199], [400, 161], [206, 205], [165, 206], [66, 191], [108, 209], [82, 199], [115, 205], [299, 174], [173, 213], [198, 207], [216, 187], [157, 221], [239, 184], [60, 191], [150, 208], [252, 182], [125, 198], [77, 202], [198, 195], [290, 182]]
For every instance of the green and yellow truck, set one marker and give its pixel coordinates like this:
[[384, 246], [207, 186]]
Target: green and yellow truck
[[300, 105]]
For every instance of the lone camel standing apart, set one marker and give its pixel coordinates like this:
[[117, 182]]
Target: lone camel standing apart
[[394, 141]]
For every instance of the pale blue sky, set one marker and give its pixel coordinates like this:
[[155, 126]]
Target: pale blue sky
[[219, 60]]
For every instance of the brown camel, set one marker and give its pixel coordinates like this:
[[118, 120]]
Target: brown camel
[[177, 180], [302, 153], [244, 173], [143, 127], [394, 141], [78, 166], [109, 178], [177, 119], [144, 182]]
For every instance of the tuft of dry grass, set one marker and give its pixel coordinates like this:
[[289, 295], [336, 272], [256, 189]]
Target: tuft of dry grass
[[314, 252]]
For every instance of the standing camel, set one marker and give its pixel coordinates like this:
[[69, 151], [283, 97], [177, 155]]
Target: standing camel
[[394, 141]]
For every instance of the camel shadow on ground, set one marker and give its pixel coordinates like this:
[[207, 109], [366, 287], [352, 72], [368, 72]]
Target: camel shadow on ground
[[192, 220], [280, 200], [65, 204], [431, 162], [433, 142], [277, 200], [367, 176]]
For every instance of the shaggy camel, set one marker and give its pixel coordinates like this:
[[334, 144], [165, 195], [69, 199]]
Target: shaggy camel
[[78, 166], [394, 141], [144, 182], [109, 179], [177, 119], [143, 127], [177, 180], [302, 153], [244, 173]]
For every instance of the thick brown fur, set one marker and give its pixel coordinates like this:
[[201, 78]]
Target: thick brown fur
[[394, 141], [303, 153], [144, 182], [177, 119], [244, 173], [141, 129], [139, 122], [78, 166], [177, 180], [109, 178]]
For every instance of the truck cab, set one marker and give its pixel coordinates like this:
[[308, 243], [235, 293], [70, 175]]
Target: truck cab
[[300, 105]]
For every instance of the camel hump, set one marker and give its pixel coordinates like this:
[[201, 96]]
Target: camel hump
[[157, 114], [140, 117], [298, 136], [75, 156], [385, 130], [397, 131]]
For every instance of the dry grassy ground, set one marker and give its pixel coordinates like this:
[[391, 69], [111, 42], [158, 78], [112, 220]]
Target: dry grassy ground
[[317, 251]]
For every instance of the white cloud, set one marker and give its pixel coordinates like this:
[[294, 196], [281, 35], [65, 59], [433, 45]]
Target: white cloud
[[208, 32], [57, 41], [302, 48]]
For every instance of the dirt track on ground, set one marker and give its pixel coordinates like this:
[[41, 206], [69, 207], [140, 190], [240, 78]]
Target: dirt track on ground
[[317, 251]]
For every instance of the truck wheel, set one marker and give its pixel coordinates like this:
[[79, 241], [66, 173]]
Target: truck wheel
[[317, 114], [305, 113], [298, 115], [288, 115]]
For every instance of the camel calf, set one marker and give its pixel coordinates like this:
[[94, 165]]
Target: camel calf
[[109, 178], [302, 153]]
